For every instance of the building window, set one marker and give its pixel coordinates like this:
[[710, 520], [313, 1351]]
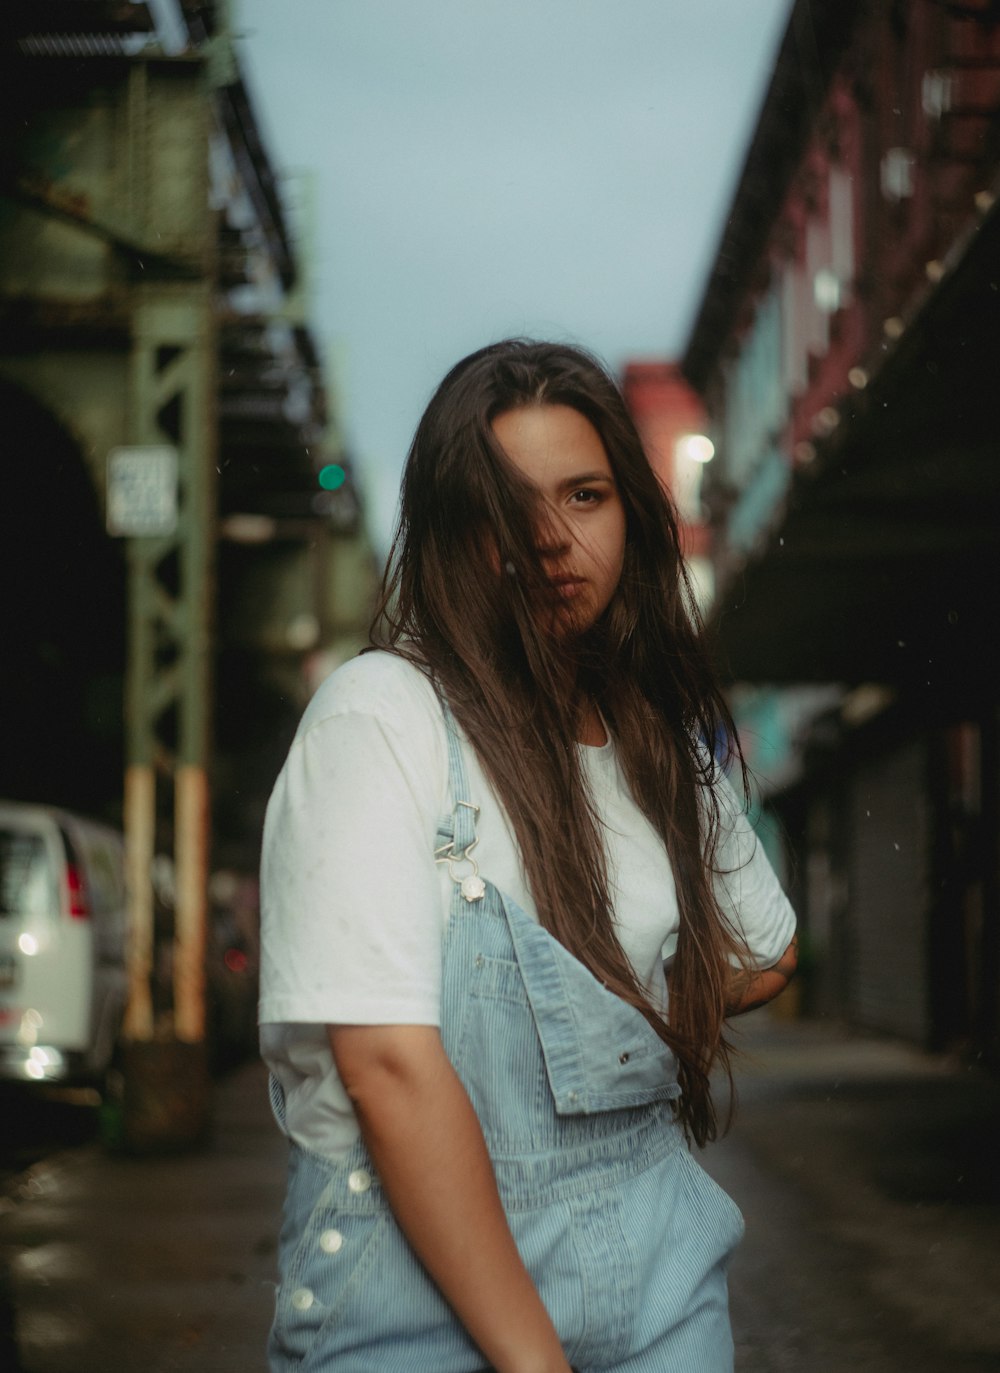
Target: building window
[[937, 92], [898, 174]]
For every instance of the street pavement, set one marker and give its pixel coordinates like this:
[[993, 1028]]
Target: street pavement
[[867, 1173], [150, 1265], [869, 1176]]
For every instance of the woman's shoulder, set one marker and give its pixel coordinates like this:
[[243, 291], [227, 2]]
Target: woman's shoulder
[[373, 729], [379, 684]]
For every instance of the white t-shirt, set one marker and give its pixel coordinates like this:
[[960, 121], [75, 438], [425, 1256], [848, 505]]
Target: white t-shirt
[[353, 905]]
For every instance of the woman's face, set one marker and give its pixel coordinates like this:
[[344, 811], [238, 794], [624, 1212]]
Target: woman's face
[[580, 534]]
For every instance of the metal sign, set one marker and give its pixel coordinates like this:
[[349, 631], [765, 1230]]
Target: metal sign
[[142, 491]]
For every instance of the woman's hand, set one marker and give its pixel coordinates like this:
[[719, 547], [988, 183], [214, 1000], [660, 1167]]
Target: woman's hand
[[750, 990], [428, 1149]]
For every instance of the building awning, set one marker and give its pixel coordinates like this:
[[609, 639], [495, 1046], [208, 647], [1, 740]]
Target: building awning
[[885, 562]]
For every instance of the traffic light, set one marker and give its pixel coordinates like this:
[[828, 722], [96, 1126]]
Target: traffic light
[[332, 476]]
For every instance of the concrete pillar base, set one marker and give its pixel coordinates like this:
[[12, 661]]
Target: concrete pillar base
[[166, 1106]]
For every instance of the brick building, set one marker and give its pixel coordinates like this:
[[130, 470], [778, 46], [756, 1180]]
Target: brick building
[[846, 348]]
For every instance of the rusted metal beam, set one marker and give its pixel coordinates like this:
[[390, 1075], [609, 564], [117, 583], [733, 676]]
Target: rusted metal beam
[[34, 191]]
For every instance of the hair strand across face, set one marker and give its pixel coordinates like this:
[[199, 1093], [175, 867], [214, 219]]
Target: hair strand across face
[[460, 599]]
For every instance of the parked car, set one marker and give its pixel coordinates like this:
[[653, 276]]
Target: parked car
[[63, 981], [232, 960], [231, 989]]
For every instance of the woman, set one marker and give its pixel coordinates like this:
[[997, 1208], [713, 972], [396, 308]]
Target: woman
[[489, 840]]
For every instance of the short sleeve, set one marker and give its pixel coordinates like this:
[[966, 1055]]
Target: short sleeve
[[351, 913], [746, 886]]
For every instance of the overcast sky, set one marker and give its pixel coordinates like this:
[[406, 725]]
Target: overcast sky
[[558, 168]]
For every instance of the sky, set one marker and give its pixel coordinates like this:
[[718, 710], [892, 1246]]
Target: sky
[[481, 168]]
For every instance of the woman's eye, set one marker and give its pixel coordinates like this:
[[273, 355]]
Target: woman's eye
[[585, 496]]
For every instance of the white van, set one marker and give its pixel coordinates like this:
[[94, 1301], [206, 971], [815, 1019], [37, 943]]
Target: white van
[[63, 981]]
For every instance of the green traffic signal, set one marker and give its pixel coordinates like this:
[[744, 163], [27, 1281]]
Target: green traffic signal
[[332, 477]]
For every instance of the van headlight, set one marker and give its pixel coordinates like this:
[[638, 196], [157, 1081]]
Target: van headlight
[[43, 1062]]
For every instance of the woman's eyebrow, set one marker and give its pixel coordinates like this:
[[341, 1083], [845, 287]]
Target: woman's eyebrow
[[584, 477]]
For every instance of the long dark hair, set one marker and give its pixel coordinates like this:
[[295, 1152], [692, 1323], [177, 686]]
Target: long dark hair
[[460, 600]]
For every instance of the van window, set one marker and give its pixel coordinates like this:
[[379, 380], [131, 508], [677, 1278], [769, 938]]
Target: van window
[[105, 878], [27, 882]]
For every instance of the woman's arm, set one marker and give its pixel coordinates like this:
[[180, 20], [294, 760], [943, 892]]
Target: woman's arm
[[750, 990], [425, 1140]]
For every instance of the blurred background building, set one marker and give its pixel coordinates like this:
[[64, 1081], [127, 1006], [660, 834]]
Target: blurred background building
[[181, 537], [671, 420], [846, 350], [180, 530]]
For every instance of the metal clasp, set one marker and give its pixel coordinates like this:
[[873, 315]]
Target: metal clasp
[[471, 885]]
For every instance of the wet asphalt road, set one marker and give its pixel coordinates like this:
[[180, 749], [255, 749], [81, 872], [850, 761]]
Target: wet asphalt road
[[36, 1120], [867, 1172], [869, 1177]]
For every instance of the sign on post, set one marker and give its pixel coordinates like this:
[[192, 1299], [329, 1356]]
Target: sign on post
[[142, 491]]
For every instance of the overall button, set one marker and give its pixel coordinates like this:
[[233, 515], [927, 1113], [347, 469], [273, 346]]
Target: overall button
[[302, 1299], [330, 1241], [359, 1181]]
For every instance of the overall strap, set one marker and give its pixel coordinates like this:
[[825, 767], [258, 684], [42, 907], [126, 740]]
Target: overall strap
[[458, 839]]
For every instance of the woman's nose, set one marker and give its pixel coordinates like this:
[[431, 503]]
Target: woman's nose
[[551, 539]]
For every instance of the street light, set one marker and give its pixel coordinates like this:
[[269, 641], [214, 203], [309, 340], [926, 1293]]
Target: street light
[[695, 447]]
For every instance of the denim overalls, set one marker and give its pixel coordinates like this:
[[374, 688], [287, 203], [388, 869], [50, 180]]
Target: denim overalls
[[626, 1237]]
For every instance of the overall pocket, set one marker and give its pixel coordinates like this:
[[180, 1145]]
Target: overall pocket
[[600, 1053], [329, 1250]]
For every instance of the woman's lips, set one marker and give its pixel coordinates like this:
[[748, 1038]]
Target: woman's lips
[[567, 587]]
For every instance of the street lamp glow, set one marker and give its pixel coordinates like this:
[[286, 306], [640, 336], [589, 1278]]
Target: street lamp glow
[[696, 448]]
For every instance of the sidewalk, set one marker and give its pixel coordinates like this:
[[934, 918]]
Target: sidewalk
[[869, 1175], [867, 1171], [121, 1265]]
